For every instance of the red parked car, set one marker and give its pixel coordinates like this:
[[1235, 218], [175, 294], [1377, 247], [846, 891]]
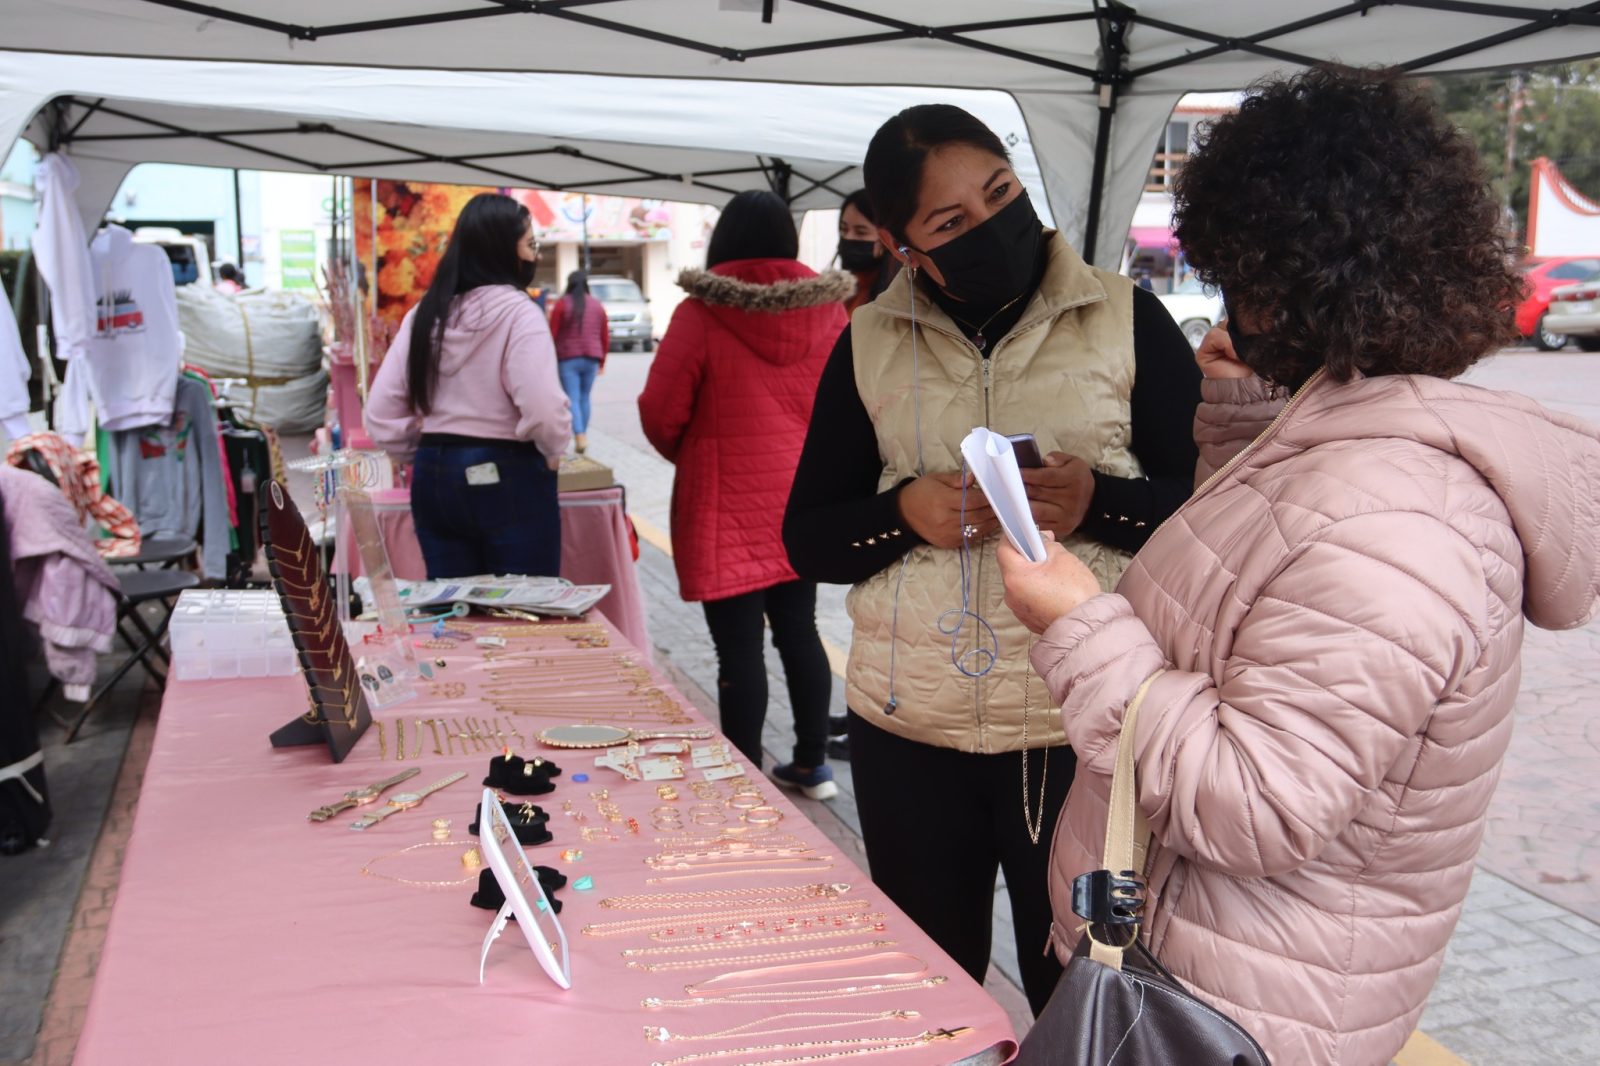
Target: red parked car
[[1544, 277]]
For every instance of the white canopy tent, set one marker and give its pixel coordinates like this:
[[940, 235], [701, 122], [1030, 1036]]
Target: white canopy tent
[[1094, 80], [650, 137]]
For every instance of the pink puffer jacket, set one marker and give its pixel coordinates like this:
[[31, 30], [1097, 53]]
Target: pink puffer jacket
[[1341, 614]]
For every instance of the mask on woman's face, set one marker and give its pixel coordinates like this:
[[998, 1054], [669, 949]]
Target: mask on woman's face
[[858, 256], [993, 262], [525, 270], [1244, 344]]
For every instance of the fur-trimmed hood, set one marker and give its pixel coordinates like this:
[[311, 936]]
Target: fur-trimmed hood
[[775, 306]]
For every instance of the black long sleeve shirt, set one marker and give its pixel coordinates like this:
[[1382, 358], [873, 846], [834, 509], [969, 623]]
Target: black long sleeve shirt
[[839, 528]]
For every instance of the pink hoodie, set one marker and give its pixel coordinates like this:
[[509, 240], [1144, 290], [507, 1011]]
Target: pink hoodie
[[497, 379]]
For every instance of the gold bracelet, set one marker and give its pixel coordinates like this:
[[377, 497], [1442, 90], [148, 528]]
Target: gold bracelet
[[661, 1035], [769, 816], [769, 894], [744, 943]]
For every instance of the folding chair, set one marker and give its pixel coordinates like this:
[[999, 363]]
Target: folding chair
[[138, 587]]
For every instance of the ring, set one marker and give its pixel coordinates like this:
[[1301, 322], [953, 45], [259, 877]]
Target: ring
[[968, 532]]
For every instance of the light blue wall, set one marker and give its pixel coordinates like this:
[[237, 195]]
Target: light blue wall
[[17, 212], [201, 194]]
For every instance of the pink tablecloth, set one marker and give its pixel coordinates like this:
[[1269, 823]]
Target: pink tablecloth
[[244, 934], [595, 550]]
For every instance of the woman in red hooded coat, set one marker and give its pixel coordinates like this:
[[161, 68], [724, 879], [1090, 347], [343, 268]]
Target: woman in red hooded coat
[[728, 400]]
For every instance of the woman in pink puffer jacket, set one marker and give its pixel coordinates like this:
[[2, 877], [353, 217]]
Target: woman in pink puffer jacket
[[1339, 608]]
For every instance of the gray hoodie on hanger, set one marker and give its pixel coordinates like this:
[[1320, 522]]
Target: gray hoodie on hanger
[[171, 476]]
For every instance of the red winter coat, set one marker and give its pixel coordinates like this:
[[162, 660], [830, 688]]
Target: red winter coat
[[728, 400]]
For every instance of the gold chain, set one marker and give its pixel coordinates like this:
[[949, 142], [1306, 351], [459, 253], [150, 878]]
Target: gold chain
[[767, 894], [749, 942], [1033, 822], [669, 923], [771, 956], [841, 992], [758, 929], [848, 1047], [660, 1034]]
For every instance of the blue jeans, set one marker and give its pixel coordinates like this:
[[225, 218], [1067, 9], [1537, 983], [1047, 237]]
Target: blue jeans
[[577, 378], [510, 527]]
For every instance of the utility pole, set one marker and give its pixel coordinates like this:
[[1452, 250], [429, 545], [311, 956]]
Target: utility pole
[[1513, 112], [586, 233]]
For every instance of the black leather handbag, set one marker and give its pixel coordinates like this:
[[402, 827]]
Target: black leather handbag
[[1115, 1005]]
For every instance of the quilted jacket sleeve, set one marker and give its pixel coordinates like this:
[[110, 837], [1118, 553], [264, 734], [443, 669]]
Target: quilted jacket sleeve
[[1232, 413], [1333, 670], [666, 406]]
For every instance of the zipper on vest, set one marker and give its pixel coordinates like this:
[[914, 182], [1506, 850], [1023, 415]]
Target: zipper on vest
[[986, 372]]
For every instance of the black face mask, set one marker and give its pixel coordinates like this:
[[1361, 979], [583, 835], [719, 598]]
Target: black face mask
[[993, 262], [525, 271], [1244, 344], [858, 256]]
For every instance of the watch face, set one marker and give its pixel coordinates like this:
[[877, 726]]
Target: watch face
[[362, 795], [405, 799]]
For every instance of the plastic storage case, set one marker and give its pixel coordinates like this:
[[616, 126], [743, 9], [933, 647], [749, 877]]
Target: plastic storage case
[[230, 633]]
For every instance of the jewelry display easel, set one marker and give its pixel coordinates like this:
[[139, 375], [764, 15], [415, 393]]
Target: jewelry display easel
[[339, 713]]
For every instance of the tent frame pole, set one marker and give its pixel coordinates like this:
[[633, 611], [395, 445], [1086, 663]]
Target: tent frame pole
[[1115, 19]]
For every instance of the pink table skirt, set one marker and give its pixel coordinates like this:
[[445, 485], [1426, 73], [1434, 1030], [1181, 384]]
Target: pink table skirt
[[595, 550], [244, 934]]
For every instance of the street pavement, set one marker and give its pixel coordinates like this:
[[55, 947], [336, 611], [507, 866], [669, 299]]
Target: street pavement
[[1521, 980]]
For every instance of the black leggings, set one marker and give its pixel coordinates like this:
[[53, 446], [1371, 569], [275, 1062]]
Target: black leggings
[[740, 639], [938, 823]]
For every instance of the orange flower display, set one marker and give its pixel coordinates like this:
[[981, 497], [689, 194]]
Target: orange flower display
[[414, 221]]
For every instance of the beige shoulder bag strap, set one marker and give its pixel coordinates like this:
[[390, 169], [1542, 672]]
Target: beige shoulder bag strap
[[1127, 834]]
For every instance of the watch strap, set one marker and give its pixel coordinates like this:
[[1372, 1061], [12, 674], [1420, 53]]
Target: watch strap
[[322, 814], [444, 782], [367, 821], [389, 782]]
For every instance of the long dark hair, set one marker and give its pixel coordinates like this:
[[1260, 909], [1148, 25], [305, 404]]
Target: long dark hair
[[578, 289], [482, 251], [899, 150], [756, 224]]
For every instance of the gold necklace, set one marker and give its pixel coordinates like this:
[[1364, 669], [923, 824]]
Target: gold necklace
[[742, 943], [773, 956], [471, 858], [850, 991], [660, 1034], [758, 929], [847, 1047], [669, 923], [675, 878], [1034, 823], [978, 340], [701, 988], [768, 894]]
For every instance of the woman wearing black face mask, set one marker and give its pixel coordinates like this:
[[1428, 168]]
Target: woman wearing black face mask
[[469, 391], [860, 251], [998, 323]]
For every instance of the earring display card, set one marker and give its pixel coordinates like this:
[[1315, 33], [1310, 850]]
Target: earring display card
[[339, 712]]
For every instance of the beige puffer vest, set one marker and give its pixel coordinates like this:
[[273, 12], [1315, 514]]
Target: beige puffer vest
[[1065, 374]]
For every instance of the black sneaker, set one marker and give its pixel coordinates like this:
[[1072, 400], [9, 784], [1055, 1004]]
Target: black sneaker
[[839, 749], [838, 725]]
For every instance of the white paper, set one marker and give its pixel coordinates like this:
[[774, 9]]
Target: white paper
[[720, 773], [994, 464]]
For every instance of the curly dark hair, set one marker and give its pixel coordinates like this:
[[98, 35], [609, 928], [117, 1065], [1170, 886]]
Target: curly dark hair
[[1342, 210]]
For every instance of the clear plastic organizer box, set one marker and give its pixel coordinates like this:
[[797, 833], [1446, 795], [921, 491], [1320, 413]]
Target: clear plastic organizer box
[[231, 633]]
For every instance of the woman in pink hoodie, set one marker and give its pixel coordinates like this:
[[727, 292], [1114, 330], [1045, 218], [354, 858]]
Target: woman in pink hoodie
[[1336, 616], [469, 389]]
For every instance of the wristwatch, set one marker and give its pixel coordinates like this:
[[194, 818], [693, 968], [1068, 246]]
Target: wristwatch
[[404, 801], [361, 795]]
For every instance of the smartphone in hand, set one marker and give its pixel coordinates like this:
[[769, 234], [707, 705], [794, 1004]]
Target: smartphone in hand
[[1026, 449]]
